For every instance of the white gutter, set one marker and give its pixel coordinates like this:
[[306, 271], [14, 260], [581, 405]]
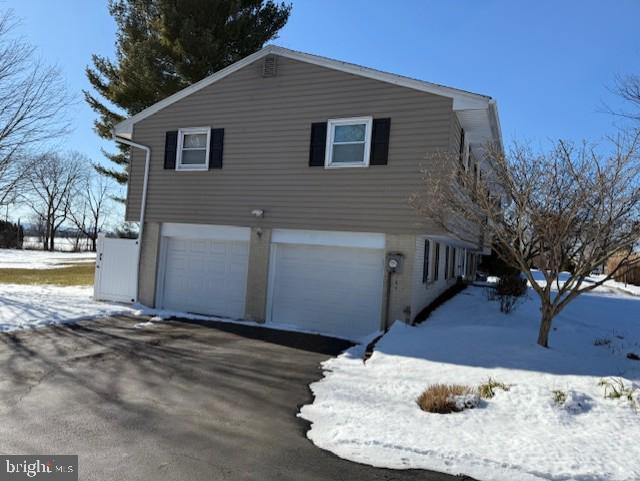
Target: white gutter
[[495, 121], [143, 204]]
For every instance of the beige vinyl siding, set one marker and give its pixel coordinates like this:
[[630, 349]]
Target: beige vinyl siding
[[149, 263], [267, 124], [454, 135]]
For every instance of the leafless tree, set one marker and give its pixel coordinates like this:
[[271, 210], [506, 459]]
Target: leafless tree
[[628, 88], [37, 226], [54, 180], [90, 211], [571, 206], [33, 102]]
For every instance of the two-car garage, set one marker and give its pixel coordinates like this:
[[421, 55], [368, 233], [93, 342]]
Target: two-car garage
[[328, 282]]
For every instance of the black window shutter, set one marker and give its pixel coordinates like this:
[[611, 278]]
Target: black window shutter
[[461, 145], [446, 262], [170, 149], [215, 148], [380, 142], [318, 145], [425, 262]]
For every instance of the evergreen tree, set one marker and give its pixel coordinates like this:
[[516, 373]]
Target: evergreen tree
[[163, 46]]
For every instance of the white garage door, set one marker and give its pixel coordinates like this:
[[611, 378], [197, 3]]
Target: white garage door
[[205, 276], [333, 290]]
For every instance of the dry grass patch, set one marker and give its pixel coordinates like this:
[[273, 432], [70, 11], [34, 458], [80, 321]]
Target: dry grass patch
[[74, 275], [615, 388], [559, 397], [445, 398], [488, 389]]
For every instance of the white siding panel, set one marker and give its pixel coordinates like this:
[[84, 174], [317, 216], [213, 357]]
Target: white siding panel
[[328, 238]]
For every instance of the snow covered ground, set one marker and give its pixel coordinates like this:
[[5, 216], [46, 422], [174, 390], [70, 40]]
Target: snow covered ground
[[32, 305], [61, 243], [621, 286], [368, 412], [628, 288], [32, 259]]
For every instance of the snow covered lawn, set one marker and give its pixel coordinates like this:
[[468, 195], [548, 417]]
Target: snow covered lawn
[[33, 305], [32, 259], [628, 288], [368, 412]]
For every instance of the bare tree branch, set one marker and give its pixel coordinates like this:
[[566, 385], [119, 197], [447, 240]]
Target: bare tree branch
[[90, 210], [570, 208], [53, 184], [33, 103]]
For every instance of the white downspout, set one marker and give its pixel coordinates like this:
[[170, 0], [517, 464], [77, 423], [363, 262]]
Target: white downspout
[[143, 203]]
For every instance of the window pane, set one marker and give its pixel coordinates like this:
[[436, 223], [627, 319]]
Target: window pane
[[349, 133], [195, 141], [191, 157], [348, 153]]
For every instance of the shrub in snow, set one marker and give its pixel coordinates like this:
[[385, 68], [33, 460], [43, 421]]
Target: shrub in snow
[[601, 341], [633, 356], [448, 398], [488, 389], [509, 289]]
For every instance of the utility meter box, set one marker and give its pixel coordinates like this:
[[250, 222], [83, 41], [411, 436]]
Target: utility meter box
[[394, 262]]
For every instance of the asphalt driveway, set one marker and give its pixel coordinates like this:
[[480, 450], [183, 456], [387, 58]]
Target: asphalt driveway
[[177, 401]]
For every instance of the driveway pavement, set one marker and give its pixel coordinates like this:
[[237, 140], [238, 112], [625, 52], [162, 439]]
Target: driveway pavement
[[176, 401]]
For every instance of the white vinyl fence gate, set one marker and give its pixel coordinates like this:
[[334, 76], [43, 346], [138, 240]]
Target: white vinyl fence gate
[[116, 266]]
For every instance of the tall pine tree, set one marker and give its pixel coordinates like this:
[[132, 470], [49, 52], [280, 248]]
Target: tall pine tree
[[163, 46]]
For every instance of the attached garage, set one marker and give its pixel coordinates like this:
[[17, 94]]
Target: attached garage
[[203, 269], [327, 282]]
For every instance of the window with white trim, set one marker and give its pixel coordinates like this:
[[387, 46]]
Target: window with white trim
[[348, 142], [193, 148]]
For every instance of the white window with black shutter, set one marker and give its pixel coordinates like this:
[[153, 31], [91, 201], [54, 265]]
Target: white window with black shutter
[[350, 142], [193, 148]]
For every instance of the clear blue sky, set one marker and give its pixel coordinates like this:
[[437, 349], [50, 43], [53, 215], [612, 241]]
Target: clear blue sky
[[548, 63]]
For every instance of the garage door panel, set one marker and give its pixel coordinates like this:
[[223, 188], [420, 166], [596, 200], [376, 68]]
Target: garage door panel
[[205, 276], [335, 290]]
